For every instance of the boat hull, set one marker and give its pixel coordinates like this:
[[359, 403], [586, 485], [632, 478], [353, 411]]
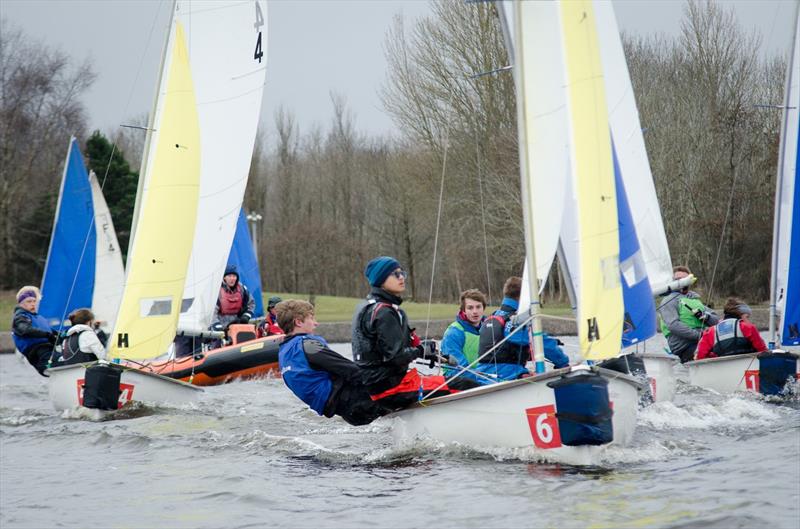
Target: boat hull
[[517, 414], [661, 374], [245, 360], [729, 374], [66, 387]]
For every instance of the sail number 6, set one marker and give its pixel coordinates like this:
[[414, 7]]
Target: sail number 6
[[544, 426], [257, 25]]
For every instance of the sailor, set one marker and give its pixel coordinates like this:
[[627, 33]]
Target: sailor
[[234, 304], [734, 335], [325, 380], [460, 340], [683, 318], [82, 343], [33, 336], [507, 361], [270, 327], [384, 344]]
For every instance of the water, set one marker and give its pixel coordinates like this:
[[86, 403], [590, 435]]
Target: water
[[251, 455]]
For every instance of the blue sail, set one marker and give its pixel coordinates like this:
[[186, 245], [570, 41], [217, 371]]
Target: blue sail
[[68, 281], [790, 333], [640, 310], [244, 257]]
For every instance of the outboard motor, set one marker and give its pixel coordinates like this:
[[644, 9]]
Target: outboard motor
[[776, 370], [631, 364], [101, 386], [582, 409]]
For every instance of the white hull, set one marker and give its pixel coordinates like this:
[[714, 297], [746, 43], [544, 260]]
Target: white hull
[[660, 371], [727, 374], [517, 414], [66, 388]]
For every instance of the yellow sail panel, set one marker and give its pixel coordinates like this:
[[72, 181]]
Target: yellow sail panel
[[151, 300], [600, 306]]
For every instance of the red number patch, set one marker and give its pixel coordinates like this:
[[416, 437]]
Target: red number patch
[[125, 393], [544, 426], [751, 380]]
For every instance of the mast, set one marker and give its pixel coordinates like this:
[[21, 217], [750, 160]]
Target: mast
[[527, 193], [776, 230]]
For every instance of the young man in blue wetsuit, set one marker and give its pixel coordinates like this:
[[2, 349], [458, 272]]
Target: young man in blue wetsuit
[[507, 361], [325, 380], [460, 340]]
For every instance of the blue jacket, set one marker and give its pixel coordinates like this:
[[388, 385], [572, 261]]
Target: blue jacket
[[312, 386], [30, 329]]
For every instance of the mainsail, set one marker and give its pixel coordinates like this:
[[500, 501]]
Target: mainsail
[[167, 211], [109, 277], [785, 291], [69, 272], [229, 75]]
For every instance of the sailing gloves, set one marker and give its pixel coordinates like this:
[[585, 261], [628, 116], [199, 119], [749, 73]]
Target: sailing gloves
[[244, 318], [700, 315], [427, 350]]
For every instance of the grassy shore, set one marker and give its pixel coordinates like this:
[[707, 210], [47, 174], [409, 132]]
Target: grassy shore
[[328, 308]]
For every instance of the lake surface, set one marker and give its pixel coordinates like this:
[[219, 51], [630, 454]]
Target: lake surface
[[250, 454]]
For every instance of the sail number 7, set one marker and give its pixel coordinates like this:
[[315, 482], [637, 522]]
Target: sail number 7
[[257, 25], [544, 426]]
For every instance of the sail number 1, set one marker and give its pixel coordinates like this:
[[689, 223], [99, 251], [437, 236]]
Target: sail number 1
[[259, 22]]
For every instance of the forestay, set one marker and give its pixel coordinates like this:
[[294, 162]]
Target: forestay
[[229, 75]]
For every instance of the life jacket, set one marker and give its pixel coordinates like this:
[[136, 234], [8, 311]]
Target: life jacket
[[471, 341], [231, 302], [23, 343], [729, 340], [686, 309], [310, 385], [364, 340], [71, 352]]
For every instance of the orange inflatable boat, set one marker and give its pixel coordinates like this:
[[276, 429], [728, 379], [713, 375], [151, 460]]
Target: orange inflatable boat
[[246, 357]]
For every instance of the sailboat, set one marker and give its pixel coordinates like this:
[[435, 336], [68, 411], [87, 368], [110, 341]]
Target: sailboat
[[770, 373], [84, 262], [229, 83], [567, 413], [166, 210]]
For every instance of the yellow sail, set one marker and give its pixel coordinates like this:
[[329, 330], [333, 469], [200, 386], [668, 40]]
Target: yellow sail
[[600, 306], [160, 253]]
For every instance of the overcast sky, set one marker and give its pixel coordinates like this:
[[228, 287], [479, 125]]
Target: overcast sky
[[315, 47]]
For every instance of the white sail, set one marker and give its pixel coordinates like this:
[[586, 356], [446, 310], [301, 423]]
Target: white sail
[[229, 72], [109, 276], [547, 137], [786, 237]]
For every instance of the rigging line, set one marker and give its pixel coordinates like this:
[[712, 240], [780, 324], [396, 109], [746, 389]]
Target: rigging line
[[722, 234], [483, 208], [446, 145]]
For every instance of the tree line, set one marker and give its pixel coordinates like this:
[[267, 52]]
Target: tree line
[[332, 197]]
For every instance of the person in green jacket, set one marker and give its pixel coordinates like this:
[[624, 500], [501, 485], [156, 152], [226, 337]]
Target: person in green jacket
[[683, 318], [460, 340]]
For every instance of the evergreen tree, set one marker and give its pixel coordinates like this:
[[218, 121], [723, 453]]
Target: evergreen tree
[[120, 184]]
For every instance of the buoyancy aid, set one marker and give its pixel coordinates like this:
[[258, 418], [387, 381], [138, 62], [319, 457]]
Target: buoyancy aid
[[686, 308], [71, 352], [231, 301], [310, 385], [364, 339], [471, 340], [729, 339], [23, 343]]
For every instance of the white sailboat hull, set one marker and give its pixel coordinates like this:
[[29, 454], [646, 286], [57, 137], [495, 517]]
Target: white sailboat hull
[[661, 374], [517, 414], [66, 388], [727, 374]]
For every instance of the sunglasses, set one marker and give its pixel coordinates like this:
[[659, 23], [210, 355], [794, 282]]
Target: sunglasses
[[399, 274]]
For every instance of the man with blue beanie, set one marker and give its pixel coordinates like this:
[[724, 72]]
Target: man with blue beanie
[[384, 344]]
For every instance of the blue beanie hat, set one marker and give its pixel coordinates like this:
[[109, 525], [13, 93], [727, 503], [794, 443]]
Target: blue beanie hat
[[379, 269], [231, 269]]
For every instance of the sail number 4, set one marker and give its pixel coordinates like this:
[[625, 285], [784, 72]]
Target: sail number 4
[[544, 426], [125, 393], [257, 25]]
